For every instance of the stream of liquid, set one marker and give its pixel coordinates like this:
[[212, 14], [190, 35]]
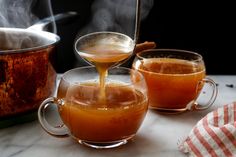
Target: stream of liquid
[[104, 56]]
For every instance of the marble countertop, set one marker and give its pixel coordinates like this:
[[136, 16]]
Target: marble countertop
[[159, 135]]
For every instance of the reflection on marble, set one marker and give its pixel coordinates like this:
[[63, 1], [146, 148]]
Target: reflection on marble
[[158, 136]]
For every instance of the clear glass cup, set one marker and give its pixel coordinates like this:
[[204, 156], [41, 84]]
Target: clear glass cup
[[175, 79], [92, 120]]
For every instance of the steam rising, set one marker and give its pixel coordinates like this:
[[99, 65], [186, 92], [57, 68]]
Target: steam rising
[[16, 13], [116, 15]]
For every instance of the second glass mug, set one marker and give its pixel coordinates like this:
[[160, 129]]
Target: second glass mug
[[175, 79], [96, 122]]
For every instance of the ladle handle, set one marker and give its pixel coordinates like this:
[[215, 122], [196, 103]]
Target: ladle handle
[[137, 20], [42, 24]]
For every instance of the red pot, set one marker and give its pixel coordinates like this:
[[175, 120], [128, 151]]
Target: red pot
[[27, 74]]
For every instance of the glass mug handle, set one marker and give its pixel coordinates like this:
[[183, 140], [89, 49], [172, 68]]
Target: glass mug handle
[[57, 131], [212, 99]]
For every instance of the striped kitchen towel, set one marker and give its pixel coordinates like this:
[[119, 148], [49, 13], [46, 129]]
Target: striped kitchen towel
[[214, 135]]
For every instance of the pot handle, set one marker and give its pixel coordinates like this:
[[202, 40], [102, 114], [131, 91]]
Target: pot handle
[[42, 24]]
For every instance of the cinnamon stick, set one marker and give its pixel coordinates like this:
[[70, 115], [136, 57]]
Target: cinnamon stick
[[144, 46]]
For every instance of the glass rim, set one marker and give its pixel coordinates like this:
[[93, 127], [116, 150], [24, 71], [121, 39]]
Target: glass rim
[[199, 56], [141, 77]]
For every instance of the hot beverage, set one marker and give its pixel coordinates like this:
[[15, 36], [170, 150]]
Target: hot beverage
[[119, 117], [174, 78], [95, 123]]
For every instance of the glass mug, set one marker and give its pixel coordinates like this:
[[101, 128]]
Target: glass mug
[[175, 79], [94, 121]]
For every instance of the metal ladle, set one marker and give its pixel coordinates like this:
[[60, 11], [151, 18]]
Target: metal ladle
[[113, 38]]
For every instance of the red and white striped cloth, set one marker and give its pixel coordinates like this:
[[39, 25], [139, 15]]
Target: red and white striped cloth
[[214, 135]]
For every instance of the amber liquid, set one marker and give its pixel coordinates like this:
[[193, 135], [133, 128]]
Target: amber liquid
[[104, 56], [172, 83], [88, 121]]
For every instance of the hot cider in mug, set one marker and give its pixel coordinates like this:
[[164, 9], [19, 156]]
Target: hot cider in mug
[[175, 79], [94, 120]]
